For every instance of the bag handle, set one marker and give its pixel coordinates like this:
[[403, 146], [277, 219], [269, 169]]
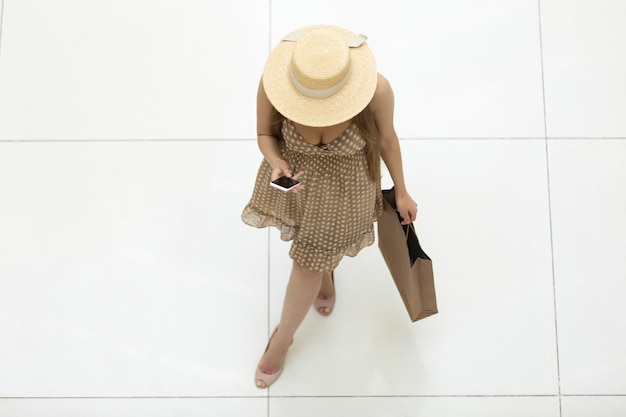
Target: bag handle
[[412, 242]]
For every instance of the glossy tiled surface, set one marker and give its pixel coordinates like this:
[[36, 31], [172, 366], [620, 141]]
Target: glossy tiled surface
[[459, 69], [130, 70], [161, 407], [426, 406], [583, 42], [476, 227], [129, 285], [589, 263], [116, 264], [594, 406]]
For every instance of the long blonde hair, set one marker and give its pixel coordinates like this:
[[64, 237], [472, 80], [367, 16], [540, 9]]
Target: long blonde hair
[[366, 124]]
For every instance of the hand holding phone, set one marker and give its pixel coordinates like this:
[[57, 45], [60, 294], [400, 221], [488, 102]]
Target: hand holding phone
[[285, 183]]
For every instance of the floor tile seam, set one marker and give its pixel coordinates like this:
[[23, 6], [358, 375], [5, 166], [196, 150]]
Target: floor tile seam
[[276, 396], [269, 27], [268, 272], [228, 140], [83, 140], [269, 236], [1, 24], [469, 138], [518, 138], [164, 397], [594, 395], [239, 397], [549, 201], [592, 138], [103, 398], [122, 140], [417, 396]]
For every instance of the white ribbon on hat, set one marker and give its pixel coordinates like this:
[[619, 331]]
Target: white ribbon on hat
[[353, 42], [312, 93]]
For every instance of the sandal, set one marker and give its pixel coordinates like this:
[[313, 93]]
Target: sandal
[[261, 379]]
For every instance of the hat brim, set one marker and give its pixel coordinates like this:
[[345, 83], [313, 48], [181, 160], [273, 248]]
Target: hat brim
[[349, 101]]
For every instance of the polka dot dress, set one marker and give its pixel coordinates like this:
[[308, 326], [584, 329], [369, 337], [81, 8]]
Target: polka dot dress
[[333, 215]]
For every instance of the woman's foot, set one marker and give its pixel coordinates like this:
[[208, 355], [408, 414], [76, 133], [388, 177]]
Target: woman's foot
[[325, 301], [273, 360]]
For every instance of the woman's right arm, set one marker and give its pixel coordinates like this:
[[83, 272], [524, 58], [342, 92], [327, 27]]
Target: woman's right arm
[[268, 144]]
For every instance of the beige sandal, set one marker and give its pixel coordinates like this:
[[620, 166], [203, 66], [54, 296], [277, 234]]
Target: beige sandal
[[261, 377]]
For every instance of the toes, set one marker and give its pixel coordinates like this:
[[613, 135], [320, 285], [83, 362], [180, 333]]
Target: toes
[[325, 310]]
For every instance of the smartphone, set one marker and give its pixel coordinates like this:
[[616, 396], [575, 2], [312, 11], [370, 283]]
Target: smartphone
[[285, 183]]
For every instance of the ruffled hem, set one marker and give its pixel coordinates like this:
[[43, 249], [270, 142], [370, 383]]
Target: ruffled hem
[[319, 260], [255, 218], [311, 258]]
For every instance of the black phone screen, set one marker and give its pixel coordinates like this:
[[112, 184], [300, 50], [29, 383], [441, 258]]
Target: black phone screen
[[285, 182]]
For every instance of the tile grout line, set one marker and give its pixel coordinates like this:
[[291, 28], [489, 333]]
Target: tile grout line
[[269, 241], [183, 140], [268, 312], [1, 24], [123, 140], [547, 155], [253, 397], [269, 27]]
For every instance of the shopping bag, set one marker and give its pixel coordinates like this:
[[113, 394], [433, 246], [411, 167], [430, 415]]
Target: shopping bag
[[410, 267]]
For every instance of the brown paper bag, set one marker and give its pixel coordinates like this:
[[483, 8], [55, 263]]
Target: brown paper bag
[[410, 267]]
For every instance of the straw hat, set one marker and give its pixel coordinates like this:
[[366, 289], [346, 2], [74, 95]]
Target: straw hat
[[320, 76]]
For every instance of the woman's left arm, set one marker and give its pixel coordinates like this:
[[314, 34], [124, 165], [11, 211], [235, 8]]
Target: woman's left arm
[[382, 106]]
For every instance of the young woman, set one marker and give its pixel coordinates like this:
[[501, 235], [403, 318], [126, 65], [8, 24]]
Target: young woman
[[324, 118]]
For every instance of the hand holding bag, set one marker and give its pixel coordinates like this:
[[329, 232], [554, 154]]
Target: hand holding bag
[[410, 267]]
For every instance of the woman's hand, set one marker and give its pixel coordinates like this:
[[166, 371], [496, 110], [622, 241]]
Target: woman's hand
[[280, 168], [407, 208]]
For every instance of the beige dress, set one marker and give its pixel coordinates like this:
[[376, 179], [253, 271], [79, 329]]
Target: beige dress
[[333, 215]]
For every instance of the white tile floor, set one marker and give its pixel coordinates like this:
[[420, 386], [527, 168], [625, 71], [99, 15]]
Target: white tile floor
[[130, 287]]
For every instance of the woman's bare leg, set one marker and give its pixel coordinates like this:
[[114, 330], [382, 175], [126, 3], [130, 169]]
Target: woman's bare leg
[[302, 289], [327, 290]]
